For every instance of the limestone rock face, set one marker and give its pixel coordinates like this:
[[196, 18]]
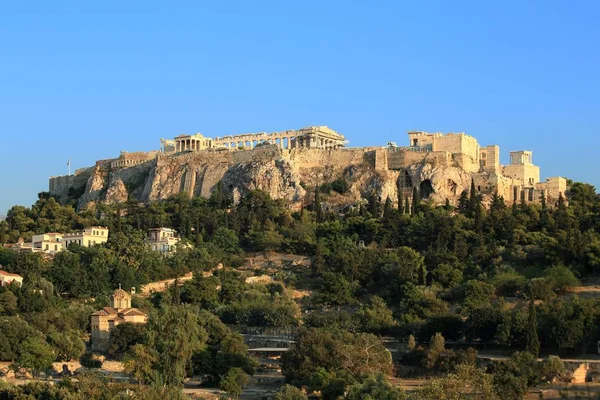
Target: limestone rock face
[[116, 193], [282, 174], [446, 182], [95, 186]]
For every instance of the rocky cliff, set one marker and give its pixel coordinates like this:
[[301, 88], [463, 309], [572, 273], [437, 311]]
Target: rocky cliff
[[284, 174]]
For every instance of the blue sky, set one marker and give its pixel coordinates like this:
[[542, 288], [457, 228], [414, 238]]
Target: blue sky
[[85, 80]]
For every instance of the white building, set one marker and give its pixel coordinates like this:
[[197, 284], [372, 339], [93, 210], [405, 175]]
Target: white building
[[88, 238], [47, 243], [163, 240]]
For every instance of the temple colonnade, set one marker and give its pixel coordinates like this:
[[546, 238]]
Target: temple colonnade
[[320, 137]]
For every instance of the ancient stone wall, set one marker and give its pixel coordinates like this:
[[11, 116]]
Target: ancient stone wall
[[59, 185], [553, 187], [528, 174], [128, 159], [490, 159], [399, 158]]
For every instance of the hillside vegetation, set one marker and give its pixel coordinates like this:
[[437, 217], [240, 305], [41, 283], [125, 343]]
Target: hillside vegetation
[[425, 276]]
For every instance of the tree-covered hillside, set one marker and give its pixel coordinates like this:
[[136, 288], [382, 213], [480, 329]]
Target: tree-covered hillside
[[441, 280]]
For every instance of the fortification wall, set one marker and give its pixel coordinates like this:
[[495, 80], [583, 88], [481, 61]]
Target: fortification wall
[[400, 158], [552, 187], [528, 174], [457, 143], [59, 186], [128, 159], [338, 158], [490, 159]]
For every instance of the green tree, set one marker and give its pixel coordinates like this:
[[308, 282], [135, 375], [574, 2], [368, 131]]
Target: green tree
[[337, 290], [400, 201], [387, 209], [552, 367], [317, 206], [225, 351], [174, 335], [14, 331], [437, 345], [561, 278], [359, 355], [90, 361], [234, 381], [68, 345], [411, 344], [375, 317], [202, 291], [139, 363], [467, 382], [477, 294], [416, 200], [36, 355], [8, 303], [532, 344], [289, 392], [123, 337], [375, 389]]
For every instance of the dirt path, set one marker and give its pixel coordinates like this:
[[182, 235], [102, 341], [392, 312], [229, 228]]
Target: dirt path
[[161, 286]]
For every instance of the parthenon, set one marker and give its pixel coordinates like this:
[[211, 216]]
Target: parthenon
[[320, 137]]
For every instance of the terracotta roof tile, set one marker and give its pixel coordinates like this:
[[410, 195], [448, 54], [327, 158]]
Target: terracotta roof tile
[[2, 272]]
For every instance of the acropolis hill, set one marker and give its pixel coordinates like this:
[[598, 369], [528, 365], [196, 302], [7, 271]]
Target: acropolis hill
[[288, 164]]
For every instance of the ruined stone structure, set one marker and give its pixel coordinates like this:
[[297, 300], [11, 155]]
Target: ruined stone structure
[[442, 166], [128, 159], [320, 137]]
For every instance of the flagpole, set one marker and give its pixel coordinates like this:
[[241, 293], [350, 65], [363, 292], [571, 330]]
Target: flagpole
[[69, 165]]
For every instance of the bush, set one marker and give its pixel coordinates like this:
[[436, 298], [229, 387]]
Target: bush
[[90, 361], [562, 278], [340, 185], [541, 289], [289, 392]]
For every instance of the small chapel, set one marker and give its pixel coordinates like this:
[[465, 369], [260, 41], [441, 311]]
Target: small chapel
[[119, 312]]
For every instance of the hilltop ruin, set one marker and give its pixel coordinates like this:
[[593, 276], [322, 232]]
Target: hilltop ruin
[[288, 164]]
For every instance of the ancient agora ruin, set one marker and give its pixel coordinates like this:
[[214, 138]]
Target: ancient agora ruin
[[287, 164]]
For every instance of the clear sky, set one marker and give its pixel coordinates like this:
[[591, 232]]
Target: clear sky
[[87, 79]]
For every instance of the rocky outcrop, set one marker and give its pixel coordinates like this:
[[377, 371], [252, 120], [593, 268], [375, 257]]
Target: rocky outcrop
[[117, 192], [284, 174]]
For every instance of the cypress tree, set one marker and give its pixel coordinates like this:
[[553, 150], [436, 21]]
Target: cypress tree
[[406, 206], [478, 217], [543, 200], [118, 225], [447, 206], [400, 201], [416, 200], [387, 208], [375, 205], [318, 264], [532, 340], [473, 197], [317, 205], [2, 232], [463, 202]]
